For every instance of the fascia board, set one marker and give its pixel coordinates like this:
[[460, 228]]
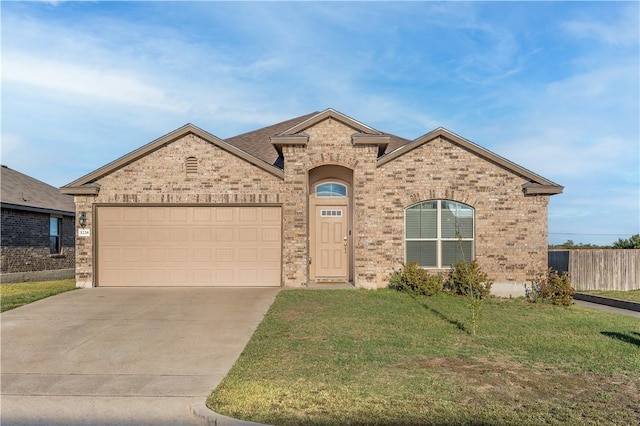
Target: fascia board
[[364, 139], [476, 149], [330, 113], [80, 190], [37, 209]]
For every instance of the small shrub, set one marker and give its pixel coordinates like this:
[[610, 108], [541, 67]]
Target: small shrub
[[413, 279], [467, 279], [553, 287]]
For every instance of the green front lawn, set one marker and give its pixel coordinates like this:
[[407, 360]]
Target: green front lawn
[[385, 358], [632, 295], [17, 294]]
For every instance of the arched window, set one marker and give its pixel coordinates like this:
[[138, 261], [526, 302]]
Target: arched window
[[191, 164], [439, 233], [331, 189]]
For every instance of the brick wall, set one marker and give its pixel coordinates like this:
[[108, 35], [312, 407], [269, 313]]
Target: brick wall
[[161, 178], [25, 242], [511, 228], [329, 143]]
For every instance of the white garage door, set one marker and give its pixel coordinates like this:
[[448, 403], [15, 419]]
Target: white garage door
[[188, 246]]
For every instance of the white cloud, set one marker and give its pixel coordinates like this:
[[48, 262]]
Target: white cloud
[[622, 30], [114, 85]]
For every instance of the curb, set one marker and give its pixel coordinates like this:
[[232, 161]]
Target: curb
[[207, 416], [608, 301]]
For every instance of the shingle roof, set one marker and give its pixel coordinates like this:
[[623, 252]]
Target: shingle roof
[[22, 191], [258, 144]]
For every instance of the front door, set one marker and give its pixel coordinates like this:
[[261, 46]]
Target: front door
[[331, 244]]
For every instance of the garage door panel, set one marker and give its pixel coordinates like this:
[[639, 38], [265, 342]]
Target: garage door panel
[[270, 255], [133, 254], [178, 214], [271, 276], [179, 255], [178, 235], [201, 235], [202, 276], [270, 215], [155, 234], [248, 235], [202, 215], [224, 255], [176, 246], [271, 235], [133, 215], [224, 235], [154, 214], [224, 214], [202, 255], [249, 214], [224, 276], [156, 254], [133, 235], [248, 276]]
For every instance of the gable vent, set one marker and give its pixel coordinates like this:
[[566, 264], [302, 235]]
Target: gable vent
[[192, 166]]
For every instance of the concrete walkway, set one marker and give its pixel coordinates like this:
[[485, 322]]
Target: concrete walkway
[[124, 356]]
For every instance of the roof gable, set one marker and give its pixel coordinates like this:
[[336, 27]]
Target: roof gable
[[324, 115], [363, 134], [536, 185], [87, 185], [23, 192]]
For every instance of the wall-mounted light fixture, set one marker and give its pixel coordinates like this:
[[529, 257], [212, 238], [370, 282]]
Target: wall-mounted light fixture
[[83, 219]]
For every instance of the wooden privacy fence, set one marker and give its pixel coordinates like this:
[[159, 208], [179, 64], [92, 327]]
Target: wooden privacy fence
[[599, 269]]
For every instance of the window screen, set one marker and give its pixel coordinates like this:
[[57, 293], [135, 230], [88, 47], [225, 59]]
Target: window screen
[[439, 233]]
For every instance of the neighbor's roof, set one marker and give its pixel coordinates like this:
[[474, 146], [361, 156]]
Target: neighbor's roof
[[261, 148], [23, 192]]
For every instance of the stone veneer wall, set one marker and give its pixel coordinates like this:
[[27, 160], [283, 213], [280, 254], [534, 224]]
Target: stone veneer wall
[[161, 178], [511, 228], [25, 242]]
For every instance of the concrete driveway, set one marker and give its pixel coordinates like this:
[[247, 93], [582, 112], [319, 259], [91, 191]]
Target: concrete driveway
[[123, 356]]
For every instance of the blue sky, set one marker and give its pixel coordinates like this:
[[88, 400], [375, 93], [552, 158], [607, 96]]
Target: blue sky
[[552, 86]]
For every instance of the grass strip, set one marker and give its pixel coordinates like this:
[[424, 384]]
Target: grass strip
[[386, 358], [632, 295], [15, 295]]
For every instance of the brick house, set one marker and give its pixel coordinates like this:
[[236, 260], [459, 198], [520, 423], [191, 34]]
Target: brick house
[[320, 198], [38, 226]]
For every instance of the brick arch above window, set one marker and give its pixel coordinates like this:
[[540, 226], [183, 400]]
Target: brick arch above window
[[331, 158]]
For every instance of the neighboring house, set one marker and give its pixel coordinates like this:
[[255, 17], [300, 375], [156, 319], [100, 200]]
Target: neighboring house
[[38, 227], [320, 198]]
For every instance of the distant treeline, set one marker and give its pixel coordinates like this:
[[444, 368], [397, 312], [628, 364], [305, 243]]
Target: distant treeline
[[632, 242]]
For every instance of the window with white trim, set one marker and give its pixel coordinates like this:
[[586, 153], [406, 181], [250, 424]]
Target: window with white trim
[[331, 189], [439, 233]]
